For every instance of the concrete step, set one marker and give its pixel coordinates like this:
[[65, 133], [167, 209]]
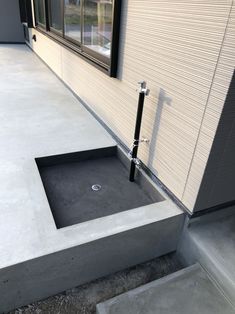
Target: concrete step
[[90, 250], [210, 240], [187, 291]]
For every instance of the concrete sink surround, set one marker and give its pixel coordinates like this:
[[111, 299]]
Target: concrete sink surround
[[92, 184], [41, 117]]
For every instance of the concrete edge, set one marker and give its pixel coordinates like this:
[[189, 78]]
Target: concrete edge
[[100, 308], [38, 279], [218, 287], [179, 216]]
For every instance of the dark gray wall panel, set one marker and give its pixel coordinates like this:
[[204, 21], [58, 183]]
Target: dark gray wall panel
[[218, 184], [11, 29]]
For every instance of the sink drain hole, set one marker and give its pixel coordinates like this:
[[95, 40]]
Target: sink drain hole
[[96, 187]]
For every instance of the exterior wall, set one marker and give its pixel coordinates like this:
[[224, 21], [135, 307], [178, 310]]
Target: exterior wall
[[175, 46], [11, 29], [218, 182]]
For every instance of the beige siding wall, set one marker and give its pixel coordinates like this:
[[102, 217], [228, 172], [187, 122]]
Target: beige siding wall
[[174, 45]]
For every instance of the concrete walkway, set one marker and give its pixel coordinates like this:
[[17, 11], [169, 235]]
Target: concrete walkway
[[39, 117]]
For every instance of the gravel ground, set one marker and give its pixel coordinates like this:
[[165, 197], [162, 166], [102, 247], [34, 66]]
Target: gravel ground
[[83, 299]]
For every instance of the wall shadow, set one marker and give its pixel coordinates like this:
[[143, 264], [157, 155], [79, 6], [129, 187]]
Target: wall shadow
[[162, 100]]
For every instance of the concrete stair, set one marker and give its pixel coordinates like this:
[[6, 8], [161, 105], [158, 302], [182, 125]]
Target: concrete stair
[[210, 240], [190, 290]]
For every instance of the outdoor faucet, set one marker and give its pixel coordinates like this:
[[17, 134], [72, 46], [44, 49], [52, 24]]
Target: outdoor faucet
[[143, 91]]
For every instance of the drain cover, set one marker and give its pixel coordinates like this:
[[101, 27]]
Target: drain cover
[[96, 187]]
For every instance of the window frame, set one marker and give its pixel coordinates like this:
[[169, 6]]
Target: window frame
[[107, 64], [26, 16]]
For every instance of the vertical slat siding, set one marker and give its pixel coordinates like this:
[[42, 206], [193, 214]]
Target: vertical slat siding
[[222, 79], [174, 46]]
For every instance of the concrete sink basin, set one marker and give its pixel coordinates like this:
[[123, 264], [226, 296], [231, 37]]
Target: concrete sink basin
[[92, 184]]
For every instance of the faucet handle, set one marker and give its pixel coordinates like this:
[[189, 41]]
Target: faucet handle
[[143, 88], [142, 84]]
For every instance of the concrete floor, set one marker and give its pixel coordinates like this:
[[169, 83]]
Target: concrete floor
[[35, 122], [83, 299]]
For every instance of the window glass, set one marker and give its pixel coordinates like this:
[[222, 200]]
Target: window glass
[[56, 15], [72, 19], [87, 24], [97, 28], [40, 12]]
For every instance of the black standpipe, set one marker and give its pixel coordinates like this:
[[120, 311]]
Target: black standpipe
[[143, 91]]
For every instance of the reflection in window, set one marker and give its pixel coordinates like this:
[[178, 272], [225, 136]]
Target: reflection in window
[[40, 12], [56, 15], [72, 20], [97, 28]]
